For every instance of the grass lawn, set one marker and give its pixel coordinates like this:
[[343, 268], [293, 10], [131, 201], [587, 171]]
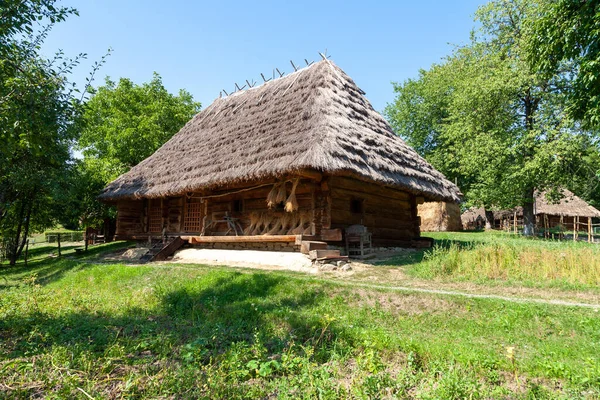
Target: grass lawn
[[76, 327]]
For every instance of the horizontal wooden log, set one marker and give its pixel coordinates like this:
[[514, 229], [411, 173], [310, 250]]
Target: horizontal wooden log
[[366, 187], [339, 216], [309, 245], [305, 186], [243, 239], [341, 198], [319, 254]]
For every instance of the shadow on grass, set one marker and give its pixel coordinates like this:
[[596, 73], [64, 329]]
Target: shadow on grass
[[207, 319], [49, 267]]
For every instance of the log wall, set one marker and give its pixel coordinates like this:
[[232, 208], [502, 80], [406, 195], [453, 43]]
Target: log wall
[[255, 217], [390, 214], [131, 219]]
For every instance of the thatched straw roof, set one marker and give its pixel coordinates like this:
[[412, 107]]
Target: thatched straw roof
[[315, 118], [569, 206]]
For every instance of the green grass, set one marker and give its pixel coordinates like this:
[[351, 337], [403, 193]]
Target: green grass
[[73, 325], [502, 258]]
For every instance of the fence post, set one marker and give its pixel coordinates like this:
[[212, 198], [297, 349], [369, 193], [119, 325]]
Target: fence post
[[58, 241]]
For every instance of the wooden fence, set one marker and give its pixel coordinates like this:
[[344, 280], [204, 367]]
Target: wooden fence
[[591, 231]]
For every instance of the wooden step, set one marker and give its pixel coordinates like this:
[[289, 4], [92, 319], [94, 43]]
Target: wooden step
[[334, 258], [323, 254], [160, 251], [309, 245]]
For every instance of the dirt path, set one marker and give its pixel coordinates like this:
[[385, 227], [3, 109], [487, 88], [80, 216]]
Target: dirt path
[[409, 289]]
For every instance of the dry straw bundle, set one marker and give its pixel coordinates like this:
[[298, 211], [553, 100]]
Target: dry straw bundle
[[291, 204], [277, 195]]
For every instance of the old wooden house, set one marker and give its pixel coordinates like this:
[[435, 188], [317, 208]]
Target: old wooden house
[[299, 157]]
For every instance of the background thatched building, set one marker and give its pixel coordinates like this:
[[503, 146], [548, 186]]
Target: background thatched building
[[567, 213], [305, 154], [439, 216]]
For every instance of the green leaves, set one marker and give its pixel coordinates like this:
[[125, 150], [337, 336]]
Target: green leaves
[[124, 123], [489, 119], [568, 32]]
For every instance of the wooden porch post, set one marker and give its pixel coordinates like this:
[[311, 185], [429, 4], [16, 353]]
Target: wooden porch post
[[590, 236], [560, 236]]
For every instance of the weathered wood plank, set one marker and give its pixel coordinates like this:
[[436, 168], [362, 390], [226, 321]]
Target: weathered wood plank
[[242, 239], [366, 187], [331, 235]]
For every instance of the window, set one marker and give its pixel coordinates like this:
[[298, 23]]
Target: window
[[356, 206], [238, 206], [193, 217], [155, 217]]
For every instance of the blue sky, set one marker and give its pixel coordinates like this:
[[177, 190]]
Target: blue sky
[[205, 47]]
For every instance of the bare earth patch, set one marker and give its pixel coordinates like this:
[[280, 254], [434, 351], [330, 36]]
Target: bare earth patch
[[399, 303], [270, 260]]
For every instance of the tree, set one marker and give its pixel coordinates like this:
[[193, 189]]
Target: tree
[[37, 108], [123, 123], [486, 117], [568, 32]]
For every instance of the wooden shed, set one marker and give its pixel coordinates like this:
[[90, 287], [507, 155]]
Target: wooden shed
[[297, 158], [570, 213]]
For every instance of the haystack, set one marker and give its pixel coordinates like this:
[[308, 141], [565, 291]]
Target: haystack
[[440, 217]]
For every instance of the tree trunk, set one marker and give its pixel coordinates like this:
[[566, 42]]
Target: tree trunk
[[22, 231], [489, 220], [528, 215], [13, 252]]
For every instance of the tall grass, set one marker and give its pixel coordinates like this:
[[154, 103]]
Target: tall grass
[[512, 261]]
